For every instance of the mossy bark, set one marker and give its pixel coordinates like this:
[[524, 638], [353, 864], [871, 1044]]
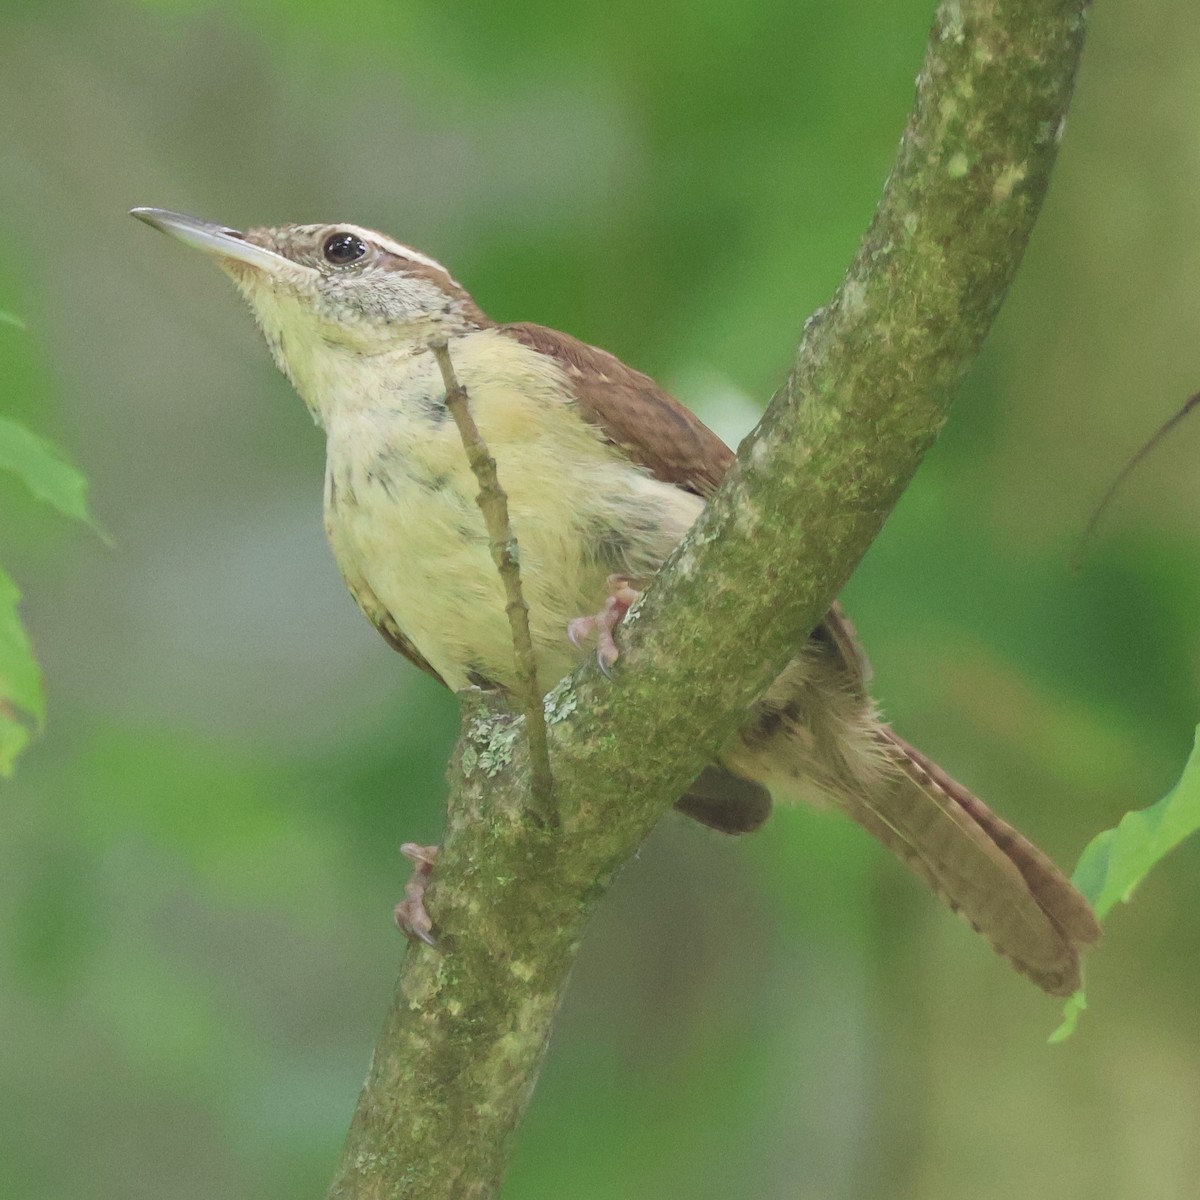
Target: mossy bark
[[870, 388]]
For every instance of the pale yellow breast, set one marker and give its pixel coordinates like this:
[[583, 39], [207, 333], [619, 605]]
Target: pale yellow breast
[[409, 536]]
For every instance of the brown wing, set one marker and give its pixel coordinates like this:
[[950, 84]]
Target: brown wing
[[397, 641], [838, 630], [374, 611], [634, 413], [665, 437]]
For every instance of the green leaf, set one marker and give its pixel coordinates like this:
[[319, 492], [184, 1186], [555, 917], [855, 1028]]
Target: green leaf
[[13, 736], [7, 318], [1072, 1011], [45, 472], [52, 479], [1116, 861], [20, 678]]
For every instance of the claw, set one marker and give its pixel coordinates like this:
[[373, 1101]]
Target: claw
[[410, 916], [580, 629], [621, 598]]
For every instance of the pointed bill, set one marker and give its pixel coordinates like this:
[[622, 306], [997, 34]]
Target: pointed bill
[[213, 239]]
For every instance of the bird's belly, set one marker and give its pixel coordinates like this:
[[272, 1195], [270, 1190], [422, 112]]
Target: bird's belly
[[426, 561], [410, 541]]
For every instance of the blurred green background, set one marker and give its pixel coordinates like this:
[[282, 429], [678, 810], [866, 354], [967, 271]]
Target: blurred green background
[[199, 858]]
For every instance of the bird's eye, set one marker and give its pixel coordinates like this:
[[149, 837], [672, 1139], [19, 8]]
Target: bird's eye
[[343, 248]]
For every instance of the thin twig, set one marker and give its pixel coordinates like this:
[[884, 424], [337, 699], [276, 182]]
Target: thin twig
[[493, 501], [1080, 554]]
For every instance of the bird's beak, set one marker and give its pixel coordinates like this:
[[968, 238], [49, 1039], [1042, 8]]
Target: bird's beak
[[213, 239]]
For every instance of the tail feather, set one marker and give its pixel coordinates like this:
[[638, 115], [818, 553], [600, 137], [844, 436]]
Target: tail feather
[[1007, 888], [816, 734], [978, 865], [1055, 893]]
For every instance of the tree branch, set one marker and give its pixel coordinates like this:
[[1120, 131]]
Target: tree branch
[[868, 392]]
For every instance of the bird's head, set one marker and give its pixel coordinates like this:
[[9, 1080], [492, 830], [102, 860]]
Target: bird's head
[[329, 290]]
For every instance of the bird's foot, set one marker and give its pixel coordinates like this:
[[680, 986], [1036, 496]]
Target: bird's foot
[[410, 916], [621, 598]]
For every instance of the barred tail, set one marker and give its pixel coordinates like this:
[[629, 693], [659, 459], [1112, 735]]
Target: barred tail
[[980, 866], [816, 735]]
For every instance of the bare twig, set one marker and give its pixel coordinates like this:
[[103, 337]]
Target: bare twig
[[493, 501], [1127, 470]]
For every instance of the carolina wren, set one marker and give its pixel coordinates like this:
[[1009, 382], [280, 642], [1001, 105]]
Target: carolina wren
[[605, 473]]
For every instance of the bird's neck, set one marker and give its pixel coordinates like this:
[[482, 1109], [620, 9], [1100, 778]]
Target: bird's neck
[[336, 375]]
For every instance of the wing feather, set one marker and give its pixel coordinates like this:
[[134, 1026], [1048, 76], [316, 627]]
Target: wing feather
[[633, 412]]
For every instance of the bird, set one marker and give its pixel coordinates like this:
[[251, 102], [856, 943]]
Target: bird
[[605, 472]]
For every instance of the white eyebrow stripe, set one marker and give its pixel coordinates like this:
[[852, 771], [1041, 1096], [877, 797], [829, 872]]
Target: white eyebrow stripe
[[398, 248], [415, 255]]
